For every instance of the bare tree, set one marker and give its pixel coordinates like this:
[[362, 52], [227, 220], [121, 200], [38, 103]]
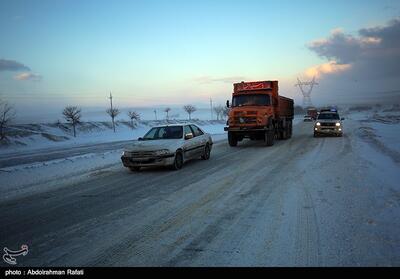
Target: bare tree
[[73, 115], [113, 112], [189, 109], [7, 114], [167, 110], [219, 111], [133, 115]]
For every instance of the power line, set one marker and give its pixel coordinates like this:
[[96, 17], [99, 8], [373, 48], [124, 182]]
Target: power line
[[306, 93]]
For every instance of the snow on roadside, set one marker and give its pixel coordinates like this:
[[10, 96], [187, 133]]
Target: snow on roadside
[[46, 136], [38, 177]]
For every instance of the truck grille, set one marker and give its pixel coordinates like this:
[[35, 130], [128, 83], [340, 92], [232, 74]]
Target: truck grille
[[245, 120], [244, 113]]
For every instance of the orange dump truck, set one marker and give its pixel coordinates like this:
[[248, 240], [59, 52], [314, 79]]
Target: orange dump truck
[[259, 113]]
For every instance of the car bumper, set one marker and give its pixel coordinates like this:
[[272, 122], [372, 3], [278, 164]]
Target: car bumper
[[148, 162], [328, 130]]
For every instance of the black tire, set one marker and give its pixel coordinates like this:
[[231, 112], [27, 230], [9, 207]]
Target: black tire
[[178, 161], [269, 138], [207, 152], [232, 139], [135, 168], [282, 134], [290, 129]]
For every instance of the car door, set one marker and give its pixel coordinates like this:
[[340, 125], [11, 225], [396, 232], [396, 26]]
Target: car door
[[189, 146], [201, 140]]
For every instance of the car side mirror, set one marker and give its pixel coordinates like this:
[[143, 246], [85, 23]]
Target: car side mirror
[[140, 139], [188, 136], [227, 103]]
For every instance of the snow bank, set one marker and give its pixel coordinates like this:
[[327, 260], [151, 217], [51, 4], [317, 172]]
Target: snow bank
[[59, 135]]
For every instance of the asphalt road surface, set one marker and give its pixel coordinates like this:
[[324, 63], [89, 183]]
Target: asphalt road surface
[[303, 202]]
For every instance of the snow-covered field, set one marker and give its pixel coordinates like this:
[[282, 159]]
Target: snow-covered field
[[60, 135]]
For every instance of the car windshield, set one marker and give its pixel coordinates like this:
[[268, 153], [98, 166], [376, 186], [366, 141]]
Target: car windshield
[[329, 116], [167, 132], [251, 100]]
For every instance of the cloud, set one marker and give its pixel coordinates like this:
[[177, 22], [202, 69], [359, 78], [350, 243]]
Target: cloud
[[209, 79], [375, 52], [28, 76], [339, 47], [12, 65], [358, 66], [332, 67]]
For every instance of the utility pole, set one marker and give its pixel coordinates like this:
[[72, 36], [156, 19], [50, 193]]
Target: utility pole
[[112, 113], [110, 100], [211, 107], [155, 114]]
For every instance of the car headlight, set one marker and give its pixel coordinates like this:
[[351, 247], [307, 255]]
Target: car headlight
[[123, 153], [162, 152], [318, 124], [337, 124]]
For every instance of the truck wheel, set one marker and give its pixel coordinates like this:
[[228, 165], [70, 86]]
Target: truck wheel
[[269, 138], [285, 133], [232, 139], [290, 129]]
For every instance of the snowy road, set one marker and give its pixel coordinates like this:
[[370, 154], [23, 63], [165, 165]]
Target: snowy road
[[303, 202]]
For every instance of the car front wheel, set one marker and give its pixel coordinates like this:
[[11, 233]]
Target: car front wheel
[[207, 153], [178, 162]]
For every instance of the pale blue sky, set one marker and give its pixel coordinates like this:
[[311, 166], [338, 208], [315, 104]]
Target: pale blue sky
[[165, 52]]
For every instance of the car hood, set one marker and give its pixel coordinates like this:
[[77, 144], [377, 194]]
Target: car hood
[[152, 145]]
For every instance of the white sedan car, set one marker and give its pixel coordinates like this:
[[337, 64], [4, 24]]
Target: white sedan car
[[168, 145]]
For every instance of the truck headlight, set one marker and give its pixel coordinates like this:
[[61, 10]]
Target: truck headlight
[[318, 124], [337, 124]]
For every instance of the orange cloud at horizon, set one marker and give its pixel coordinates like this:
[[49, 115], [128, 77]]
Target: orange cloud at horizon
[[331, 67]]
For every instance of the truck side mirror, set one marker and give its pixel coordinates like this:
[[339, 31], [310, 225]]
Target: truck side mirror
[[227, 103]]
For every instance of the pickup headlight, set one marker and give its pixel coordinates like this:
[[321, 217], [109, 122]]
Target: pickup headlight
[[318, 124], [162, 152], [337, 124]]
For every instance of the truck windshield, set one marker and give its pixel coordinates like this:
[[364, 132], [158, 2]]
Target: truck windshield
[[167, 132], [330, 116], [251, 100]]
